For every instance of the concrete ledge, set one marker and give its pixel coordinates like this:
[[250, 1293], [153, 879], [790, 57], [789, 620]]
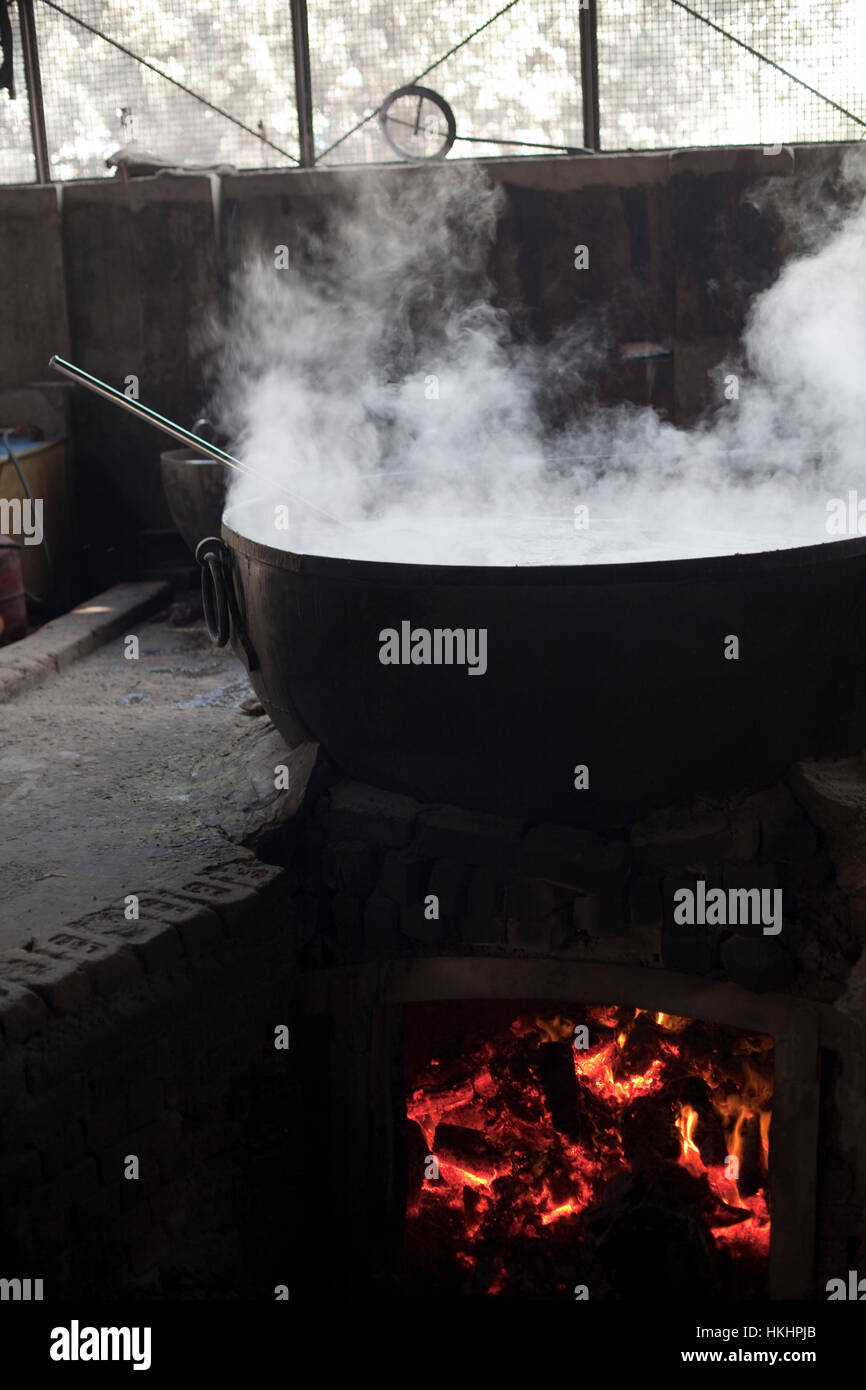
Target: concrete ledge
[[104, 954], [55, 646]]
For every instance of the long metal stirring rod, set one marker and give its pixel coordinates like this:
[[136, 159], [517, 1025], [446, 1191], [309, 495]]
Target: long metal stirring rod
[[101, 388]]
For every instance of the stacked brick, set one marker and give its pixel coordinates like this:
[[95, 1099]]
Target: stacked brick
[[370, 862], [152, 1038]]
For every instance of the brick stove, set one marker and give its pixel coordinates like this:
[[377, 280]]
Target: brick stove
[[544, 916], [156, 1037]]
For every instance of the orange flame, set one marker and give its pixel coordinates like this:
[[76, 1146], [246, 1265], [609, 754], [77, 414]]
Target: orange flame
[[556, 1029], [686, 1123]]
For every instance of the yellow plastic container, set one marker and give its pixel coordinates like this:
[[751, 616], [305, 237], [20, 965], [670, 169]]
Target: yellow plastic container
[[43, 463]]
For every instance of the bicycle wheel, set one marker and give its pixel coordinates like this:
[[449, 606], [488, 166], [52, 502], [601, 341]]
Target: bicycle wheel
[[417, 124]]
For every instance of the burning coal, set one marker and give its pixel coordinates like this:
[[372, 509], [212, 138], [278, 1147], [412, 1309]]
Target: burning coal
[[537, 1164], [378, 379]]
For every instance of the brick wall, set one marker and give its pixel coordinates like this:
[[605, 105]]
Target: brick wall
[[152, 1038]]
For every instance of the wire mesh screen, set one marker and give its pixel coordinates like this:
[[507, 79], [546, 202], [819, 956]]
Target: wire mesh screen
[[17, 163], [667, 79], [518, 79], [670, 73], [237, 57]]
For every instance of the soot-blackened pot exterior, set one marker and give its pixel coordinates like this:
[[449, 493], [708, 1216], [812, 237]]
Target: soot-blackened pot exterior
[[630, 670]]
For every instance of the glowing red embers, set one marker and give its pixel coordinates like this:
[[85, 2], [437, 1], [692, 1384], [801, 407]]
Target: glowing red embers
[[527, 1139]]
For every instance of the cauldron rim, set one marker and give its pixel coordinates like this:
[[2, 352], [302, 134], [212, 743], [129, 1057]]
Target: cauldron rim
[[703, 568]]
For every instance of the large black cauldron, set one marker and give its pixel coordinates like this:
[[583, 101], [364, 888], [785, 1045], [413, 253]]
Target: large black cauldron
[[620, 667]]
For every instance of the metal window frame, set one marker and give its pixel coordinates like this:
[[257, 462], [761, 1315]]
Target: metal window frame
[[303, 83], [33, 78], [589, 74]]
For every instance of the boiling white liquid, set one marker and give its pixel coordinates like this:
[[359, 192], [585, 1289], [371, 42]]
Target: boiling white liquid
[[532, 540]]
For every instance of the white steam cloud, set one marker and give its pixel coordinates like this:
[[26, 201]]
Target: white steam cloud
[[378, 380]]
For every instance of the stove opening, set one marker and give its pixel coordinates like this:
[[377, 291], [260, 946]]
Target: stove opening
[[570, 1151]]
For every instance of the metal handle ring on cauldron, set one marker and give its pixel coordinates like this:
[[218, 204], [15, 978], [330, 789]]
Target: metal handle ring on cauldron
[[210, 554]]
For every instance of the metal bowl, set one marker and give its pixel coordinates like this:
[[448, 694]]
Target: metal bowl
[[618, 667], [195, 492]]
